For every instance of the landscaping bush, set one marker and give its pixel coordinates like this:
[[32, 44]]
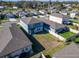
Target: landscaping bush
[[2, 16], [16, 16], [76, 40], [67, 43]]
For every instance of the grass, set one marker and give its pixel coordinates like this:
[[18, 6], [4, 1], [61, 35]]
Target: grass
[[51, 51], [75, 21], [76, 40], [50, 43], [66, 34], [1, 27], [3, 21], [72, 26]]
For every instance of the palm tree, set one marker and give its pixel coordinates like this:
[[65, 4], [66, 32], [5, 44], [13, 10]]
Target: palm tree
[[23, 4], [34, 3]]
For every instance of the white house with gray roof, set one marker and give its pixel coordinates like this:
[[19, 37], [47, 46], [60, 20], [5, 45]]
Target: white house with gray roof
[[58, 18]]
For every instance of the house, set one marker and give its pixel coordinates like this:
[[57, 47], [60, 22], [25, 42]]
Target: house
[[64, 12], [73, 14], [43, 11], [21, 13], [31, 25], [15, 7], [15, 43], [2, 7], [9, 15], [58, 18], [35, 25]]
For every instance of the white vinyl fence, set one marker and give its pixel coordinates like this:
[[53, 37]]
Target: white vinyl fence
[[74, 31], [56, 35]]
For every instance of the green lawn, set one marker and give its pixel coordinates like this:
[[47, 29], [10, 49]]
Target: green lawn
[[72, 26], [75, 21], [51, 51], [76, 40], [1, 27], [50, 43], [4, 20], [66, 34]]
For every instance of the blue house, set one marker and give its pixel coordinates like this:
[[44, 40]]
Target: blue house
[[31, 25], [53, 26], [34, 25]]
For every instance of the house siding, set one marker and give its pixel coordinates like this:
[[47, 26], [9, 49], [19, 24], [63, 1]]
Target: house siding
[[65, 19], [25, 26], [72, 15], [55, 19], [35, 28]]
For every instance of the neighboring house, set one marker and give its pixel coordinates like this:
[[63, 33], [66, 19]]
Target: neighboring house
[[21, 13], [10, 15], [67, 5], [15, 7], [31, 25], [73, 14], [14, 43], [43, 11], [58, 18], [2, 7], [64, 12]]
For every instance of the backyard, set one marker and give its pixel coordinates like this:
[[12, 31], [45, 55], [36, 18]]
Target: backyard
[[72, 26], [50, 43], [66, 34], [75, 21]]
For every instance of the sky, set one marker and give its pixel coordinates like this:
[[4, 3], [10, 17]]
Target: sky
[[43, 0]]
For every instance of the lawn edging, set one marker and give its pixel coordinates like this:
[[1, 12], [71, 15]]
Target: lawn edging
[[56, 35], [61, 37], [74, 31], [76, 24]]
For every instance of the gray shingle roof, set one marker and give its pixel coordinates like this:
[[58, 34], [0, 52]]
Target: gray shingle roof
[[5, 37], [58, 15], [18, 41], [30, 20], [71, 51], [54, 25]]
